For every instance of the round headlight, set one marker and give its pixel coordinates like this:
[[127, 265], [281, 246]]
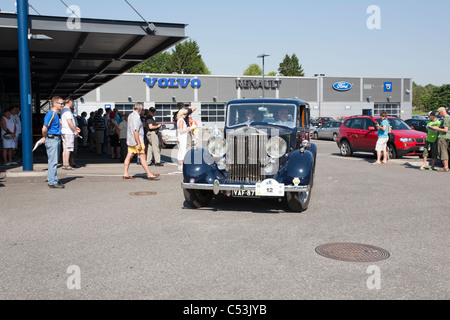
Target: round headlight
[[222, 164], [276, 147], [217, 147]]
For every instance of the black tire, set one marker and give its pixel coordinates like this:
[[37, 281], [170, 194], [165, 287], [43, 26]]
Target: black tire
[[335, 137], [392, 152], [197, 198], [316, 135], [345, 148], [299, 201]]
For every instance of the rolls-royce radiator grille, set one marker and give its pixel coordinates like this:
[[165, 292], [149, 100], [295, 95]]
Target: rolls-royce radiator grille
[[246, 157]]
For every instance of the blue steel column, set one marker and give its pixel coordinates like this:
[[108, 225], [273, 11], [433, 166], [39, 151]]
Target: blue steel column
[[25, 88]]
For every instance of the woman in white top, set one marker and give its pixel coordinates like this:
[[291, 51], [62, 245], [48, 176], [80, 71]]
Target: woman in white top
[[182, 130], [8, 127]]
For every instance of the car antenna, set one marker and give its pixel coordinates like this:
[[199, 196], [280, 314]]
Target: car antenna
[[151, 27]]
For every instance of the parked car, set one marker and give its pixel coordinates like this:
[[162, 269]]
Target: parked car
[[329, 130], [168, 134], [255, 159], [359, 133], [323, 120], [417, 124]]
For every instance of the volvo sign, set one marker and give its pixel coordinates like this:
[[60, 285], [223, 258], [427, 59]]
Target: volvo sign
[[342, 86], [172, 82]]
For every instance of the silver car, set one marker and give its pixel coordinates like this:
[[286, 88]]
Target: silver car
[[328, 130], [168, 134]]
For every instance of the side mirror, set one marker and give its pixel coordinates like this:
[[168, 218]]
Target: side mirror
[[371, 128], [412, 127]]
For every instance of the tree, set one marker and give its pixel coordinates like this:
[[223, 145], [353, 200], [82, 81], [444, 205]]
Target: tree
[[186, 58], [290, 66], [156, 64], [253, 70], [435, 98]]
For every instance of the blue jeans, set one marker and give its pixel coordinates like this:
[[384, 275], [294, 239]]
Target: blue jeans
[[53, 147]]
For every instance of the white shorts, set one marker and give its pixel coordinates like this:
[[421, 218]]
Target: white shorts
[[381, 144], [68, 142]]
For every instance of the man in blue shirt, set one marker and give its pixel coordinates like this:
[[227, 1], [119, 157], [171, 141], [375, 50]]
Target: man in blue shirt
[[383, 137], [51, 131]]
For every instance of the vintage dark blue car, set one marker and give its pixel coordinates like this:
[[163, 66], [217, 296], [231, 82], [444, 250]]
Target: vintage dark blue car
[[265, 152]]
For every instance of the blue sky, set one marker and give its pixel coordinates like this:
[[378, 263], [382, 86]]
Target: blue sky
[[328, 36]]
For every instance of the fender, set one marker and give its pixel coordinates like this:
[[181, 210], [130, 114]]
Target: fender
[[200, 166], [296, 165]]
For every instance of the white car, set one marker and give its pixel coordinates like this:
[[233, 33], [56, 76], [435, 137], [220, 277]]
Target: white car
[[168, 134]]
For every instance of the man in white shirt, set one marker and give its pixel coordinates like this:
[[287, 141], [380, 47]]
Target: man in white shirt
[[69, 132], [283, 116], [135, 142]]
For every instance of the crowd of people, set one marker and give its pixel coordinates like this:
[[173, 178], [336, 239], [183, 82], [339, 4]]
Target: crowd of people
[[119, 136]]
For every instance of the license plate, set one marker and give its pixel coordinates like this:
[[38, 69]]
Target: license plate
[[420, 148], [243, 193], [270, 188]]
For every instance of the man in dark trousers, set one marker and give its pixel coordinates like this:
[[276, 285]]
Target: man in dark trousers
[[154, 150]]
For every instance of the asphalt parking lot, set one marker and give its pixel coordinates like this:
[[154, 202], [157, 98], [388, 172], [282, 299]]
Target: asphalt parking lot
[[104, 238]]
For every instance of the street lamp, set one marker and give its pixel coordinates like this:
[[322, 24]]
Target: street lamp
[[262, 55]]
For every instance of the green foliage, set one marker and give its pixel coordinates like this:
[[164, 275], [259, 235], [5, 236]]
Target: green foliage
[[253, 70], [290, 66], [184, 58], [431, 97], [156, 64]]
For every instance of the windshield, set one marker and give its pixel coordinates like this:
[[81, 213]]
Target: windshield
[[279, 114], [396, 124]]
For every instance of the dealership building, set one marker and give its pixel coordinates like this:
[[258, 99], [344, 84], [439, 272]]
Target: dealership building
[[327, 96]]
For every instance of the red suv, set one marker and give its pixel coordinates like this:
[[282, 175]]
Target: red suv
[[358, 133]]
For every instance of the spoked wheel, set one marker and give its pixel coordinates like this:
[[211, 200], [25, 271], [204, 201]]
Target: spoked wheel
[[346, 149], [197, 198]]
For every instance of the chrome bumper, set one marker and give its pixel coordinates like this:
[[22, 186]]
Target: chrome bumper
[[216, 187]]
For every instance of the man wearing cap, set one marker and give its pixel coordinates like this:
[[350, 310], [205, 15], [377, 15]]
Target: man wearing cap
[[153, 138], [443, 138]]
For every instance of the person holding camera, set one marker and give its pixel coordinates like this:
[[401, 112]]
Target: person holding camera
[[383, 137]]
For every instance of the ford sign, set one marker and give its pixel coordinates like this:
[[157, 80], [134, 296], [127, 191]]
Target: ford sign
[[342, 86]]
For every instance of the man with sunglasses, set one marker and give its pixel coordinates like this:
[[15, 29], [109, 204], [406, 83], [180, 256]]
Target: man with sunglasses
[[51, 132]]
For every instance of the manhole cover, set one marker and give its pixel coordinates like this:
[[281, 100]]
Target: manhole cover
[[353, 252], [143, 193]]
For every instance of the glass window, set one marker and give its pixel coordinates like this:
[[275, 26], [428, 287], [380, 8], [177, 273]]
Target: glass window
[[357, 123], [213, 112], [278, 114]]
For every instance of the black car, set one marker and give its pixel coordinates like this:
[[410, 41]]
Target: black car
[[417, 124], [265, 153]]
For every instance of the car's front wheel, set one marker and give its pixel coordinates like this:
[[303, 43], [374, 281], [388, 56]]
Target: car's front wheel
[[392, 152], [299, 201], [197, 198], [316, 135], [345, 148]]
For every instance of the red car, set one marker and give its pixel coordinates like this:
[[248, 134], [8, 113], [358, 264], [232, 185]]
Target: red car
[[359, 134]]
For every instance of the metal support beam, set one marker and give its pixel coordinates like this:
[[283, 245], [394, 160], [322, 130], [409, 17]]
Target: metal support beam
[[25, 85]]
